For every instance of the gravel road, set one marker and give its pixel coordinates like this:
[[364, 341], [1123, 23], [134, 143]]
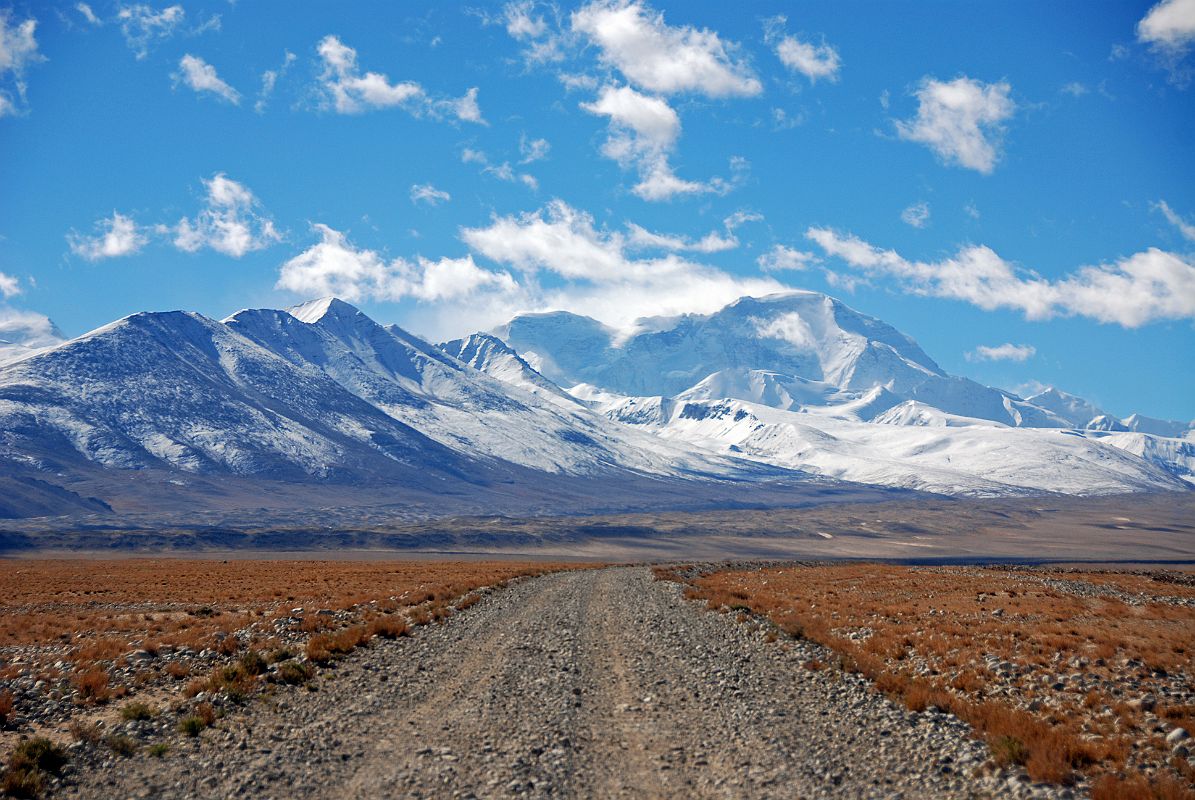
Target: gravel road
[[597, 683]]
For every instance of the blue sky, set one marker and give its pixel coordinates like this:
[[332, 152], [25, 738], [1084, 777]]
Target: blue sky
[[1012, 184]]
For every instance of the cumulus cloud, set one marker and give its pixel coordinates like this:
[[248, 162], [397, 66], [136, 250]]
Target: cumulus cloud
[[1002, 352], [116, 236], [643, 132], [143, 26], [916, 215], [814, 61], [232, 221], [334, 266], [781, 258], [201, 76], [18, 49], [1185, 228], [269, 80], [634, 38], [1168, 29], [345, 90], [426, 193], [961, 120], [1142, 288], [9, 285], [600, 277]]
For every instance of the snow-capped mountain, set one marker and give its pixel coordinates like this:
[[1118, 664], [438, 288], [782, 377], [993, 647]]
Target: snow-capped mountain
[[23, 334], [787, 390], [799, 380]]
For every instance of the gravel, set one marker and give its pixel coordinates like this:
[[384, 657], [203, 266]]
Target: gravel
[[596, 683]]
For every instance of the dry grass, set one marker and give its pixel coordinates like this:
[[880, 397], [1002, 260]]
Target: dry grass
[[972, 641], [92, 615]]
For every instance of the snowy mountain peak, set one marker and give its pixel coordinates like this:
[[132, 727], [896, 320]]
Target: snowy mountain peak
[[1075, 410], [315, 310]]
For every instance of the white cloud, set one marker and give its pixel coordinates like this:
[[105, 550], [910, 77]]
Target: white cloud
[[347, 91], [201, 76], [543, 41], [503, 171], [712, 242], [28, 328], [916, 215], [780, 258], [88, 14], [269, 80], [426, 193], [1187, 229], [643, 132], [814, 61], [142, 25], [533, 149], [1074, 89], [117, 236], [661, 58], [1169, 25], [789, 328], [961, 120], [1002, 352], [335, 267], [600, 278], [18, 49], [9, 286], [1142, 288], [231, 221], [971, 211]]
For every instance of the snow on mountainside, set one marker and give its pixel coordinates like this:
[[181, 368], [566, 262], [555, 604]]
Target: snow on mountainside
[[935, 454], [179, 390], [799, 380], [23, 335], [318, 393], [491, 355]]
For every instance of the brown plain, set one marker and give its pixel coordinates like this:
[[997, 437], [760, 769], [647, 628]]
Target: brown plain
[[930, 635]]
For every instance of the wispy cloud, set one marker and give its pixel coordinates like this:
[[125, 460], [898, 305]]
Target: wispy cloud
[[1146, 287], [201, 77], [269, 81], [814, 61], [916, 215], [345, 90], [143, 25], [1187, 229], [1002, 352], [1169, 30], [780, 258], [426, 193], [18, 49]]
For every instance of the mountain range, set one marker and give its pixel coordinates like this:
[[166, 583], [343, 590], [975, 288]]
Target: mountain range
[[790, 395]]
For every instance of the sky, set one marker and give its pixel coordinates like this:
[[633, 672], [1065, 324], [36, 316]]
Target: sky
[[1012, 184]]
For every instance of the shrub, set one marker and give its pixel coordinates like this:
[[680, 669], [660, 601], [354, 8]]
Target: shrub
[[206, 712], [294, 673], [191, 725], [6, 706], [92, 686], [228, 645], [86, 732], [136, 710], [194, 687], [389, 627], [120, 744], [158, 750], [281, 654], [177, 670], [318, 649], [253, 663], [1008, 750], [38, 753]]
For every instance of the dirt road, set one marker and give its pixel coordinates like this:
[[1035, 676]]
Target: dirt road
[[599, 683]]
